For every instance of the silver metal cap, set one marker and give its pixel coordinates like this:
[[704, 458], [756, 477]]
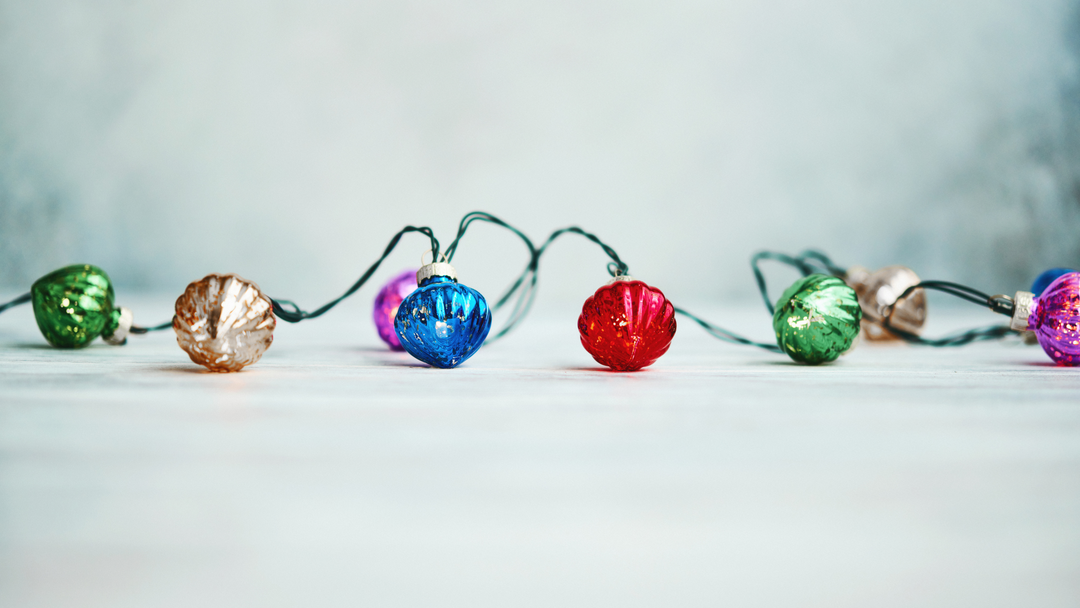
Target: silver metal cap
[[1022, 303], [123, 327], [621, 277], [438, 269]]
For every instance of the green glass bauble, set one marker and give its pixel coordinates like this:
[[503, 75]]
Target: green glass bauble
[[74, 305], [817, 319]]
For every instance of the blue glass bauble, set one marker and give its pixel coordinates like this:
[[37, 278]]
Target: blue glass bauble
[[443, 323], [1043, 280]]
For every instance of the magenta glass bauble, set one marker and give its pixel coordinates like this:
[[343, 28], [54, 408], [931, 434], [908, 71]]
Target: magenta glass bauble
[[386, 305], [1055, 319]]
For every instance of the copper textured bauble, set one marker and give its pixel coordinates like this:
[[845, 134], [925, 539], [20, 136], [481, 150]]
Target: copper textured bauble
[[878, 291], [224, 322]]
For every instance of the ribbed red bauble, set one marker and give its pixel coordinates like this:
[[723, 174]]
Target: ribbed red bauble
[[627, 325]]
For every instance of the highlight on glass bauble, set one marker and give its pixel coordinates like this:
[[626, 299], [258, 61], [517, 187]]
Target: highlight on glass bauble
[[224, 322], [627, 325], [442, 322], [76, 304], [817, 319], [387, 302], [1054, 316], [879, 290]]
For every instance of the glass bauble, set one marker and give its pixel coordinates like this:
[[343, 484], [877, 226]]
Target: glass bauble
[[442, 323], [627, 325], [74, 305], [387, 302], [1055, 319], [817, 319], [878, 290], [224, 322]]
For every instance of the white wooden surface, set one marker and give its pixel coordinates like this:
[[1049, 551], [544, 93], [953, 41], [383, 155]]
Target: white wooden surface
[[335, 473]]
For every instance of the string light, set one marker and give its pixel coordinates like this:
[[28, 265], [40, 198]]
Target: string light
[[225, 322]]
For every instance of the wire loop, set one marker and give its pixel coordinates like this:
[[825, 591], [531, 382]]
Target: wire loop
[[441, 256]]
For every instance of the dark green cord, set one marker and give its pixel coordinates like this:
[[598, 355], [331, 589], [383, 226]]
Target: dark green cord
[[289, 312], [525, 296], [135, 329], [814, 256], [994, 332], [23, 299], [482, 216], [1003, 306], [295, 315], [808, 262], [526, 282], [725, 335], [794, 261]]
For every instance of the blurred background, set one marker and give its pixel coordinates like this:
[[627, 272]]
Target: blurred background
[[287, 141]]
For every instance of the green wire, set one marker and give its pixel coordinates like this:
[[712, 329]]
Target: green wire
[[296, 314]]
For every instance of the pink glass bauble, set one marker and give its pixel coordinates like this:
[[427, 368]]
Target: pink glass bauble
[[386, 305], [626, 325], [1055, 319], [878, 290], [224, 322]]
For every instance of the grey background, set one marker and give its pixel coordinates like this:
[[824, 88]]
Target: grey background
[[287, 141]]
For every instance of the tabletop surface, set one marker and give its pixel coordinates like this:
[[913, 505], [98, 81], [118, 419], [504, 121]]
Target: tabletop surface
[[337, 473]]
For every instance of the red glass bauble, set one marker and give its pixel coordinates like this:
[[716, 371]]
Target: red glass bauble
[[627, 325]]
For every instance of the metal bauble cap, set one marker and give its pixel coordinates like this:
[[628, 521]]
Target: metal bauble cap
[[1022, 303], [123, 327], [438, 269]]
